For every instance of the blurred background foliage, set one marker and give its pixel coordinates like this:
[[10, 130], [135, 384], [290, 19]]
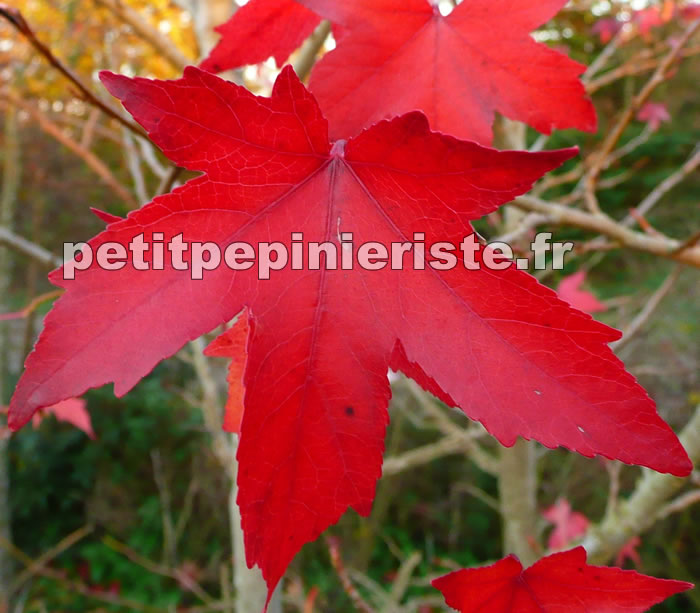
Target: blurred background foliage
[[151, 468]]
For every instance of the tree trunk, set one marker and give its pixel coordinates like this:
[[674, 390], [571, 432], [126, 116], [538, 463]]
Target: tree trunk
[[517, 477], [251, 590]]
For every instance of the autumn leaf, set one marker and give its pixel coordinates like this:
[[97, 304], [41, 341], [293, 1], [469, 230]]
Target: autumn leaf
[[258, 30], [73, 411], [653, 17], [494, 342], [559, 583], [232, 344], [629, 552], [399, 55], [570, 291], [654, 113], [568, 525], [606, 28]]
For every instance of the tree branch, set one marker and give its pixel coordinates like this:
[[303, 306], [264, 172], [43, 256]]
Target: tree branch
[[603, 224], [309, 50], [641, 510], [162, 44], [22, 245], [17, 20], [97, 165]]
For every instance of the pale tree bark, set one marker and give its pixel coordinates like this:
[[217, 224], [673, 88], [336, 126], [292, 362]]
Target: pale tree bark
[[251, 590], [644, 507], [250, 587], [517, 470], [517, 486], [206, 15], [8, 197]]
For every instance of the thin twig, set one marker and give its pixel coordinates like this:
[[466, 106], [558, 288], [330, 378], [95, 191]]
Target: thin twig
[[629, 113], [34, 251], [168, 181], [33, 305], [649, 308], [600, 62], [34, 567], [484, 460], [639, 512], [635, 66], [157, 569], [169, 546], [337, 561], [691, 164], [309, 50], [14, 16], [402, 581], [162, 44], [448, 445], [605, 225], [95, 163]]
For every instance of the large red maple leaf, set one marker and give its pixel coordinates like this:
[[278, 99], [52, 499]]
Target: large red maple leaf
[[559, 583], [258, 30], [496, 343], [396, 56]]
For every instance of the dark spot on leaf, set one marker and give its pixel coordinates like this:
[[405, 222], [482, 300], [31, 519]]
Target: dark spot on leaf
[[349, 411]]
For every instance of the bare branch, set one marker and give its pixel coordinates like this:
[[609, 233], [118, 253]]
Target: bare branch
[[679, 504], [659, 76], [97, 165], [600, 62], [649, 308], [483, 459], [450, 444], [605, 225], [17, 20], [162, 44], [641, 510], [665, 186], [34, 251], [309, 50]]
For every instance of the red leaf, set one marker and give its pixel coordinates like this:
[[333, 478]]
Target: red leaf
[[606, 28], [654, 113], [570, 290], [496, 343], [258, 30], [629, 551], [690, 11], [73, 410], [559, 583], [232, 344], [653, 17], [105, 216], [399, 55], [568, 525]]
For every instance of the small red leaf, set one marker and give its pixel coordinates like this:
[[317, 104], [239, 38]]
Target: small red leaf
[[629, 552], [570, 290], [559, 583], [568, 525], [232, 344], [606, 28], [73, 411], [399, 55], [654, 113], [258, 30], [105, 216]]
